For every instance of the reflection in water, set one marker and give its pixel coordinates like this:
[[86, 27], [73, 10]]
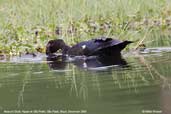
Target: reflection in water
[[32, 86], [59, 62]]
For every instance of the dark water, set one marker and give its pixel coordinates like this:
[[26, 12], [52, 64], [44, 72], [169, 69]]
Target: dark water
[[143, 85]]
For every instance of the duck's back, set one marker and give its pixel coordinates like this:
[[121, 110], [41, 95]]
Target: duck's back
[[93, 47]]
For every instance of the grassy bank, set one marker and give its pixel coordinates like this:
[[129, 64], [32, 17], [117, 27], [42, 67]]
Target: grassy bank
[[27, 25]]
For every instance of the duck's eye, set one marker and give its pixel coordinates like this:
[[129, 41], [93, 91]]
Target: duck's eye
[[83, 46]]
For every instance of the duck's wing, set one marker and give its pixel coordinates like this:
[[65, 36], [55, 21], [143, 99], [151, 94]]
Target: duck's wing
[[90, 47], [105, 43], [96, 46], [79, 49]]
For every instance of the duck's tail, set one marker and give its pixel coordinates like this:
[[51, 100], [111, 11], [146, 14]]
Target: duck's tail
[[113, 50], [124, 44]]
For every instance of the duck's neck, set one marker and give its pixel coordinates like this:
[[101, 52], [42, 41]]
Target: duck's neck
[[65, 49]]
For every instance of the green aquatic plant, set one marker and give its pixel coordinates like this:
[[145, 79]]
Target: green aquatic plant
[[27, 29]]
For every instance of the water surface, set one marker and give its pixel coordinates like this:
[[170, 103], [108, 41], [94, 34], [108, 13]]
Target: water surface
[[142, 85]]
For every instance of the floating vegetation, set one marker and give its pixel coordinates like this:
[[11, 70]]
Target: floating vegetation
[[27, 29]]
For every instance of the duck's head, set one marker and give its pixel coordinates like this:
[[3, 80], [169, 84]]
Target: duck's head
[[55, 45]]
